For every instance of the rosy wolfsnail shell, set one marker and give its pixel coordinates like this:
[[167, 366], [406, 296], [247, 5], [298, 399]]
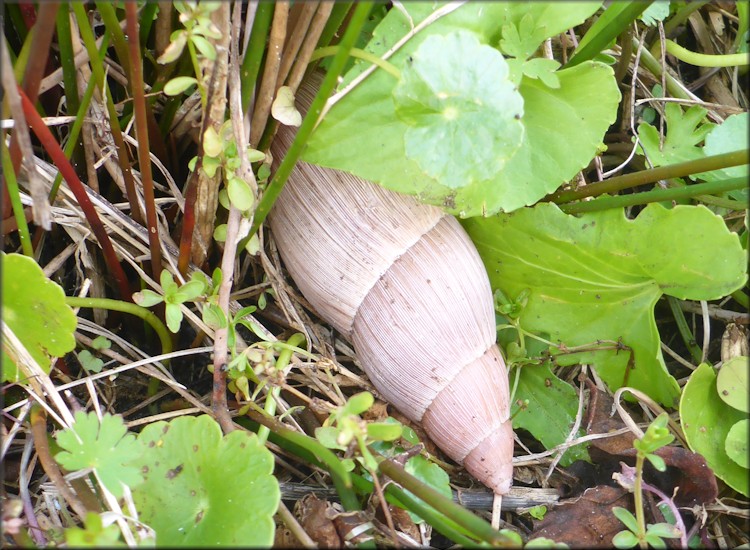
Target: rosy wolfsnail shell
[[405, 284]]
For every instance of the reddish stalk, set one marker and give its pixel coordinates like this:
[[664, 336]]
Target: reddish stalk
[[58, 158], [141, 129]]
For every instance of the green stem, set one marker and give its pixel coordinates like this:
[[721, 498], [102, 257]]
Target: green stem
[[705, 60], [341, 478], [441, 503], [15, 201], [741, 298], [127, 307], [638, 496], [657, 195], [308, 124], [198, 72], [254, 54], [285, 355], [361, 54], [674, 86], [642, 177], [684, 329]]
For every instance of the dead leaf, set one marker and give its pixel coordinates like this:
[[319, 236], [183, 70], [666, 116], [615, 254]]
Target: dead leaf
[[315, 517]]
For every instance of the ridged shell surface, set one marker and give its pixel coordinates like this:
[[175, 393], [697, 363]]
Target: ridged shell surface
[[406, 285]]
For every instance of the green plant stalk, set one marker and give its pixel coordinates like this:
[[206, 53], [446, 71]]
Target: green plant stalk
[[705, 60], [682, 15], [112, 24], [438, 521], [97, 68], [674, 86], [308, 124], [254, 55], [67, 59], [642, 177], [148, 16], [615, 20], [722, 202], [741, 298], [58, 158], [638, 497], [15, 200], [75, 130], [361, 54], [23, 56], [335, 20], [127, 307], [657, 195], [198, 72], [459, 514], [682, 326], [340, 476], [285, 355]]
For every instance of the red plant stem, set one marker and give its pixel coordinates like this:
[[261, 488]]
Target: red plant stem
[[188, 219], [58, 158], [141, 128]]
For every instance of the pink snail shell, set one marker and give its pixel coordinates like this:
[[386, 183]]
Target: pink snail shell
[[405, 284]]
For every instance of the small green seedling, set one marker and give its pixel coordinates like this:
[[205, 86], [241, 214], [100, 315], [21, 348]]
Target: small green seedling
[[88, 360], [174, 296]]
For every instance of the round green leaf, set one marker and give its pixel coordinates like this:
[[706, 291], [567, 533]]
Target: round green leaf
[[706, 421], [431, 474], [462, 111], [212, 144], [179, 84], [34, 308], [204, 490], [240, 194], [736, 443], [732, 383]]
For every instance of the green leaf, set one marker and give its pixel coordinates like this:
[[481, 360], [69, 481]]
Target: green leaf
[[685, 131], [34, 308], [729, 136], [624, 539], [179, 84], [95, 535], [220, 233], [522, 40], [202, 489], [736, 443], [147, 298], [732, 383], [329, 437], [174, 50], [191, 290], [253, 155], [363, 135], [663, 530], [544, 70], [654, 541], [204, 47], [240, 194], [89, 362], [706, 421], [658, 11], [462, 112], [617, 17], [105, 446], [383, 431], [214, 317], [431, 474], [358, 403], [551, 410], [173, 316], [538, 512], [101, 342], [657, 462], [212, 144], [211, 165], [598, 277], [626, 517]]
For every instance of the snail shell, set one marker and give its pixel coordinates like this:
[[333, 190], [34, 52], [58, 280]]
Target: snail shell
[[405, 284]]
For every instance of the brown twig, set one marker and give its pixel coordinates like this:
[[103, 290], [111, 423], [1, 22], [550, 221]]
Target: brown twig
[[270, 72], [141, 128], [292, 46]]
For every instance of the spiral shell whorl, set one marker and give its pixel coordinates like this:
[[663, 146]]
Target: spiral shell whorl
[[406, 285]]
